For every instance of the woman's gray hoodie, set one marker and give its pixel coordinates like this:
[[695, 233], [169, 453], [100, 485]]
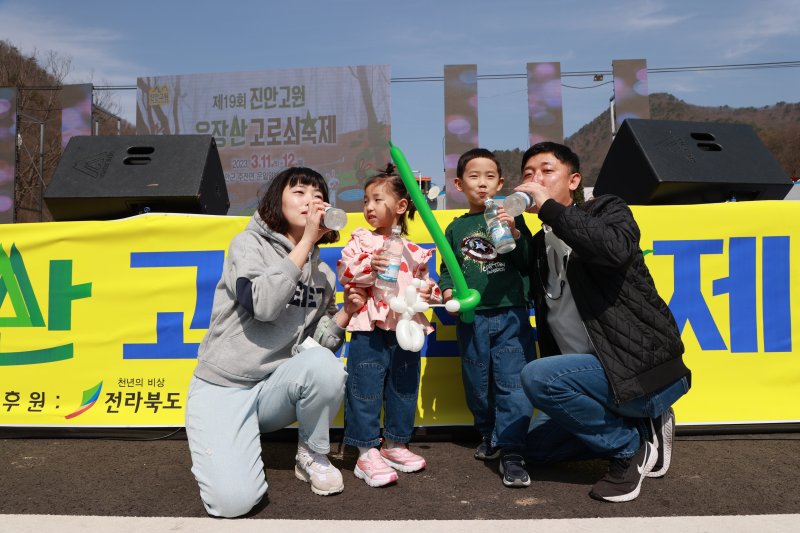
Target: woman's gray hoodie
[[289, 304]]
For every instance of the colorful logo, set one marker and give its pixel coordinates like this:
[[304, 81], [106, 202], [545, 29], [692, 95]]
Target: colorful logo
[[90, 397]]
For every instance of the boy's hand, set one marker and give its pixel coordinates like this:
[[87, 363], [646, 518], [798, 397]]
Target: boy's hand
[[447, 295], [508, 219]]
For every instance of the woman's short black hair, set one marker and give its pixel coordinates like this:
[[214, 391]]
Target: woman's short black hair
[[270, 207]]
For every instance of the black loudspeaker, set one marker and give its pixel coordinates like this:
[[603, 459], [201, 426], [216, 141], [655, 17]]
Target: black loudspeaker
[[107, 177], [676, 162]]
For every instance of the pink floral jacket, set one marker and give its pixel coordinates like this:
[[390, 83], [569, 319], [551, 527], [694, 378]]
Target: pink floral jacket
[[355, 267]]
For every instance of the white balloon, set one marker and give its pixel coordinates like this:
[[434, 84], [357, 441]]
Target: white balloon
[[411, 295], [453, 306], [420, 307], [398, 305], [406, 337], [412, 337], [410, 334], [418, 337]]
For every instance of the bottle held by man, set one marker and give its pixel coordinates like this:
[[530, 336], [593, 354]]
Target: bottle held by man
[[517, 203]]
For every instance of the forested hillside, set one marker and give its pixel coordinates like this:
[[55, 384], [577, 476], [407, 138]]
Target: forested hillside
[[777, 125]]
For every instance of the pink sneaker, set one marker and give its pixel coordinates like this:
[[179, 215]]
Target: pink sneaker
[[403, 459], [374, 470]]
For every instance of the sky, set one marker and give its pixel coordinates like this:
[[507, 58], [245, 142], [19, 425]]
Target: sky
[[113, 43]]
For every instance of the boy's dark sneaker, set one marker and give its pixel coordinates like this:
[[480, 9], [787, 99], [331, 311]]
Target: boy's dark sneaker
[[512, 467], [624, 478], [485, 451], [663, 435]]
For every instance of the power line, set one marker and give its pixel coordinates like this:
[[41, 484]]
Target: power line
[[565, 74], [581, 73]]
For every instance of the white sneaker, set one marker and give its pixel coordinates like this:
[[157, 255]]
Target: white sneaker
[[663, 436], [315, 468]]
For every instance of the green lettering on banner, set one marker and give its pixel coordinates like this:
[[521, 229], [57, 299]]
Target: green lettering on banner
[[15, 282], [62, 292], [35, 357]]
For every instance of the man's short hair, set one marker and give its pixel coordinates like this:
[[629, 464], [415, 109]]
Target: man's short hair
[[563, 153]]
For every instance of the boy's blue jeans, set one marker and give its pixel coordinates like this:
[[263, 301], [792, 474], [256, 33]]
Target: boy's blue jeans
[[577, 416], [494, 350], [380, 374]]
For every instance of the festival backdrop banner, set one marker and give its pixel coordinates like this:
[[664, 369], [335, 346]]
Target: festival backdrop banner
[[100, 321], [631, 93], [545, 110], [8, 145], [76, 111], [334, 120], [460, 124]]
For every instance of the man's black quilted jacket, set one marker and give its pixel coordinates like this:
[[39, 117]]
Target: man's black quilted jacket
[[631, 327]]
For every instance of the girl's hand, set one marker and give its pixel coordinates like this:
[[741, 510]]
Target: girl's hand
[[379, 261], [426, 291], [354, 298]]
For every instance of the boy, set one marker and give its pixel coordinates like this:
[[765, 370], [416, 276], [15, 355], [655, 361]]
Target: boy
[[497, 345]]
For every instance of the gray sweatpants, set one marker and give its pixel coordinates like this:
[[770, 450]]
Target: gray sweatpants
[[224, 424]]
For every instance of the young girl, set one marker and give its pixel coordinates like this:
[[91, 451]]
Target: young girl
[[257, 371], [380, 372]]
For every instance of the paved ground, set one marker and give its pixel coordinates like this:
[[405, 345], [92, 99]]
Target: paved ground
[[710, 475], [682, 524]]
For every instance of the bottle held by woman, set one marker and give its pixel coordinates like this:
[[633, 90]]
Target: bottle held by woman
[[334, 218]]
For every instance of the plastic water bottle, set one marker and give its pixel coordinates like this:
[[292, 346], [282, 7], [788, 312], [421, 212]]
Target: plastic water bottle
[[499, 230], [517, 203], [334, 218], [387, 280]]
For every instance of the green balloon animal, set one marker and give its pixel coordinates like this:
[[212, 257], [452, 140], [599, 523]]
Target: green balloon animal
[[468, 299]]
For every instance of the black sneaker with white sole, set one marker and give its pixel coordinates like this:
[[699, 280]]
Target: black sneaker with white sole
[[485, 451], [512, 468], [663, 435], [624, 478]]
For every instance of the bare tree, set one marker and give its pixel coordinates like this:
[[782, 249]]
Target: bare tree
[[39, 79], [38, 124]]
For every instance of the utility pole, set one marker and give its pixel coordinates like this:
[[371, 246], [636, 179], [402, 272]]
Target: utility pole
[[40, 169]]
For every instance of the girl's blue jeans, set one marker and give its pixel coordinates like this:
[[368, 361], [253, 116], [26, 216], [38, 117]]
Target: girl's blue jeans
[[380, 375]]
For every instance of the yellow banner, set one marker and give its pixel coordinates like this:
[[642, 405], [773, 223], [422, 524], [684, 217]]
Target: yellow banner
[[100, 321]]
